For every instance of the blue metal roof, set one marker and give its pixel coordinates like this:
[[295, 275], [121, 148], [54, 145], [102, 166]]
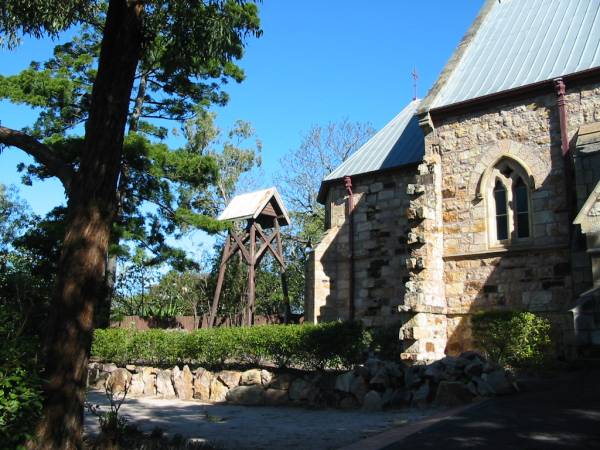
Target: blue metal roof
[[399, 143], [522, 42]]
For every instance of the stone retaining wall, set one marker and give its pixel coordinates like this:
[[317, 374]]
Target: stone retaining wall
[[371, 386]]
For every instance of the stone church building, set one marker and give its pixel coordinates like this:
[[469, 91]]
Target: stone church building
[[482, 196]]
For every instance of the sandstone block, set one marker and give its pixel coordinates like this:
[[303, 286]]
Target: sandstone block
[[372, 402], [499, 381], [452, 393], [359, 388], [164, 386], [276, 397], [136, 387], [344, 381], [231, 378], [251, 377], [348, 402], [119, 380], [149, 379], [183, 383], [281, 381], [218, 391], [109, 367], [246, 395], [265, 377], [202, 382], [301, 389]]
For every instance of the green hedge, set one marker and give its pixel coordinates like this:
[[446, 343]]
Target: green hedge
[[328, 345], [519, 339]]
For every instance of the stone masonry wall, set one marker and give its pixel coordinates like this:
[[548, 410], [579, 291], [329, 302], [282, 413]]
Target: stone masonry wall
[[380, 251], [541, 274]]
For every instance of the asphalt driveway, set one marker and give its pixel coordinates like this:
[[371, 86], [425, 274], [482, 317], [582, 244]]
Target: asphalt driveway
[[557, 413]]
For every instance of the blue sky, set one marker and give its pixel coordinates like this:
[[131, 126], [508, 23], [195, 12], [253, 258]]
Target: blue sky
[[318, 61]]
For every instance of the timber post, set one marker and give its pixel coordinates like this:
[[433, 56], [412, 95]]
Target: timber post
[[264, 213]]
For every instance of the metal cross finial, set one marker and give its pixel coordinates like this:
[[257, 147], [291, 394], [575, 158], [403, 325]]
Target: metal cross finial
[[415, 77]]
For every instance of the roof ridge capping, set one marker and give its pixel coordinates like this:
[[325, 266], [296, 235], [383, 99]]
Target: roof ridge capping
[[456, 57]]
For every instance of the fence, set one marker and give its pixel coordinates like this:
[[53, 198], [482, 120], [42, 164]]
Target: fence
[[188, 322]]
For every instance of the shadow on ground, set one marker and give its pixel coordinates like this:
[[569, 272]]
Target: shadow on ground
[[240, 427], [560, 413]]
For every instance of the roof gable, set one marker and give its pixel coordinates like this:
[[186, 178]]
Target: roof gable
[[516, 43], [589, 215], [251, 205]]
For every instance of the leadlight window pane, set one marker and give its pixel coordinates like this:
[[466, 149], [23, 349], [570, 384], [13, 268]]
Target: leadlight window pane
[[522, 209], [501, 211]]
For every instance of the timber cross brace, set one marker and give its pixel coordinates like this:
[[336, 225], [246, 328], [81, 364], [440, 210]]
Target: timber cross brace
[[264, 213]]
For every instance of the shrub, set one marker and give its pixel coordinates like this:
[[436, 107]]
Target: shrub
[[518, 339], [20, 386], [385, 342], [335, 344]]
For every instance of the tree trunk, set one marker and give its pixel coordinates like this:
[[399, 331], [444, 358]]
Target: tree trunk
[[102, 315], [102, 312], [91, 210]]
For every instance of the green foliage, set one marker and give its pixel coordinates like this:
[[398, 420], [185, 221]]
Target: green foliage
[[20, 386], [20, 404], [328, 345], [515, 338], [189, 53], [385, 342], [40, 17], [175, 293]]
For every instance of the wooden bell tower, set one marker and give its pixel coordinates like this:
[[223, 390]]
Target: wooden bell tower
[[264, 213]]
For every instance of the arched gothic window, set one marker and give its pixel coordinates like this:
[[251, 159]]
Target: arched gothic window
[[509, 209]]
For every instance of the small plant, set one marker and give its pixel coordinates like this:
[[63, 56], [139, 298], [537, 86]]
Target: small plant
[[112, 424], [519, 339]]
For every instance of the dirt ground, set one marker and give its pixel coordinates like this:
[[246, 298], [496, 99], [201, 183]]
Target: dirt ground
[[242, 427]]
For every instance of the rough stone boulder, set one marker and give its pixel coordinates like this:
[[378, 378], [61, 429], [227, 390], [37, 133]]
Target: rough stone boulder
[[343, 382], [202, 382], [109, 367], [281, 381], [265, 377], [276, 397], [119, 380], [301, 390], [218, 391], [251, 377], [499, 381], [452, 393], [183, 383], [230, 378], [372, 401], [246, 395], [93, 375], [136, 388], [149, 378], [164, 386], [421, 395], [100, 382], [359, 388]]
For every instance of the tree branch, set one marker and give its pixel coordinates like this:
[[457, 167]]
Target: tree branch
[[40, 152]]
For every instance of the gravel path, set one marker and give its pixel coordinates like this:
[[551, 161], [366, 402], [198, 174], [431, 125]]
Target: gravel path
[[241, 427]]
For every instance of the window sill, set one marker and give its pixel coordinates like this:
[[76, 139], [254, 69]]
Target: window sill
[[503, 250]]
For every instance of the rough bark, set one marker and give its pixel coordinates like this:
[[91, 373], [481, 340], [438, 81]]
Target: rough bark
[[91, 210], [102, 315]]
